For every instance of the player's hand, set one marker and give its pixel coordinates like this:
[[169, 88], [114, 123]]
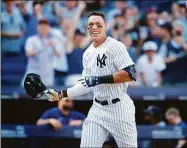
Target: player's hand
[[53, 95], [89, 81], [55, 123]]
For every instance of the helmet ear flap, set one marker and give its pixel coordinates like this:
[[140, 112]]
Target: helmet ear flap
[[33, 85]]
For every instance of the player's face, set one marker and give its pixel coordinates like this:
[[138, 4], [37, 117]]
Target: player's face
[[96, 28]]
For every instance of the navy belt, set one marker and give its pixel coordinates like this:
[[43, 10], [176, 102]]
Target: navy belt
[[105, 102]]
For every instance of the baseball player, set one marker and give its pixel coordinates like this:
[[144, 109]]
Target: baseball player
[[107, 69]]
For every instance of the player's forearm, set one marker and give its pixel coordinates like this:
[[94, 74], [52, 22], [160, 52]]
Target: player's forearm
[[76, 90], [121, 77], [125, 75], [118, 77]]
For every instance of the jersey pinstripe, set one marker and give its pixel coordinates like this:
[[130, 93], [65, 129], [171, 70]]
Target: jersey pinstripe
[[117, 119], [117, 58]]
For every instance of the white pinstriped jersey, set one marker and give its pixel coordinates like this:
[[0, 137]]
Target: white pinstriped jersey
[[117, 119], [106, 59]]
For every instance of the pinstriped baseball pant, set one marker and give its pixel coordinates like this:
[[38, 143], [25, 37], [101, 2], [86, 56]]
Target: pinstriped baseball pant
[[117, 119]]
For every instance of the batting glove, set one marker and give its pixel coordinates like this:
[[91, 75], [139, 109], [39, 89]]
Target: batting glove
[[90, 81], [53, 95]]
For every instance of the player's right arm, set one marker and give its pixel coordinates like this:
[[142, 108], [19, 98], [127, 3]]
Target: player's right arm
[[77, 90]]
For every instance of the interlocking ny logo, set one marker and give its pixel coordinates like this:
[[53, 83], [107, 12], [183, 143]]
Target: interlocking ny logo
[[101, 61]]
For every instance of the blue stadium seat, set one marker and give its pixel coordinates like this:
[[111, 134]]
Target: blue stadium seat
[[11, 80], [12, 70]]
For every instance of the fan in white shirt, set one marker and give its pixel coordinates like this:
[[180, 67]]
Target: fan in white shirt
[[149, 66]]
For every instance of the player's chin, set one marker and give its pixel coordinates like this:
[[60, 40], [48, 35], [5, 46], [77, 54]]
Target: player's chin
[[95, 38]]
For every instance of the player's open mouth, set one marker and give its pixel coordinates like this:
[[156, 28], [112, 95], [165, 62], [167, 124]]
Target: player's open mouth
[[95, 33]]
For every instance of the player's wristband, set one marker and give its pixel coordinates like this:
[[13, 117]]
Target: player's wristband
[[108, 79], [64, 92]]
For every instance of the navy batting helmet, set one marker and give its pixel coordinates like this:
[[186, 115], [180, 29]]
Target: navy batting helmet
[[33, 85]]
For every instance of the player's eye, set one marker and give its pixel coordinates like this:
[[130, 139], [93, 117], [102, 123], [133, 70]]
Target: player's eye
[[91, 26], [99, 26]]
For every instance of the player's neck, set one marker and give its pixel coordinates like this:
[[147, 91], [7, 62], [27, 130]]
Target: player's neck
[[99, 42]]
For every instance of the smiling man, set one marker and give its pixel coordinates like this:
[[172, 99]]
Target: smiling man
[[107, 69]]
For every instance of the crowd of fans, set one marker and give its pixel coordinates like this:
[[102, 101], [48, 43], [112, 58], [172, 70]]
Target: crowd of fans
[[54, 34]]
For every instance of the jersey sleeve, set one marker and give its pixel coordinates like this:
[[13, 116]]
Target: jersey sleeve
[[121, 56]]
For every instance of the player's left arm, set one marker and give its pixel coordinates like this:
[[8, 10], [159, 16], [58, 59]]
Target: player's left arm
[[123, 63], [125, 75]]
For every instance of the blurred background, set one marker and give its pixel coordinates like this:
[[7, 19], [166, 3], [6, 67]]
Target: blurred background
[[50, 37]]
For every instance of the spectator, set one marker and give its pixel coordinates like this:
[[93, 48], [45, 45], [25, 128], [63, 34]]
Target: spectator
[[71, 31], [173, 52], [165, 35], [68, 10], [154, 116], [12, 30], [60, 64], [119, 7], [174, 118], [50, 13], [151, 22], [62, 115], [32, 19], [177, 48], [149, 66], [183, 16], [151, 17], [118, 27], [75, 57], [129, 17], [155, 35], [69, 43], [133, 52], [40, 49]]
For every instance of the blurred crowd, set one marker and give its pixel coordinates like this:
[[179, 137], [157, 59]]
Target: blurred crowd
[[53, 36]]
